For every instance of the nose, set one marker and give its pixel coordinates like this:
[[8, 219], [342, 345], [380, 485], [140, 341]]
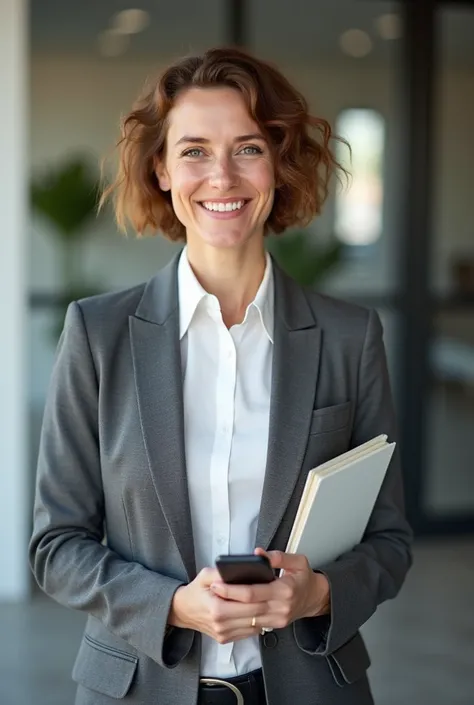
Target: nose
[[223, 175]]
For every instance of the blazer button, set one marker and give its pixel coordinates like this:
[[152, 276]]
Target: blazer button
[[270, 640]]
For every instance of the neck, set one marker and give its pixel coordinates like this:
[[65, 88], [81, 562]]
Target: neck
[[232, 275]]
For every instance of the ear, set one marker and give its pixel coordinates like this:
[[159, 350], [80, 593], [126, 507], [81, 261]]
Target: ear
[[162, 175]]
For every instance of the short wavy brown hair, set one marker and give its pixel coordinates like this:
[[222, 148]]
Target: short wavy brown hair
[[300, 142]]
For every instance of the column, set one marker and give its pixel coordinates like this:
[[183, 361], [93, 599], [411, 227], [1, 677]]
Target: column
[[14, 490], [419, 73]]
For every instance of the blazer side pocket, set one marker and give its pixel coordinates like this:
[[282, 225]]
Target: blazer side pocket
[[104, 669], [330, 418], [350, 661]]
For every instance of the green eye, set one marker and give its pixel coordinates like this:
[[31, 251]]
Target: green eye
[[194, 152], [251, 150]]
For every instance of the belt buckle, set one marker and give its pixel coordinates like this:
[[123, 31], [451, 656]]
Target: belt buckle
[[231, 686]]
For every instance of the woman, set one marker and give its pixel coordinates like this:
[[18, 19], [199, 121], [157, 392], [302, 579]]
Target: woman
[[165, 398]]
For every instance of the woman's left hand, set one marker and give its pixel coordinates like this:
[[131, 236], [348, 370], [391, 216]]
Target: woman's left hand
[[297, 594]]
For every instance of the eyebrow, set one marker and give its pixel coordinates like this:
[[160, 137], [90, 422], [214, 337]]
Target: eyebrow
[[202, 140]]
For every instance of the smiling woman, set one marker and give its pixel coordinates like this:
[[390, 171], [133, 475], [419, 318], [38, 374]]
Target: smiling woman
[[226, 174], [185, 414], [248, 96]]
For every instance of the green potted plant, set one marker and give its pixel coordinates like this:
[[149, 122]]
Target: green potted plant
[[66, 196], [299, 256]]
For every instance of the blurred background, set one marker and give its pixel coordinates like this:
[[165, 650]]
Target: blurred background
[[396, 79]]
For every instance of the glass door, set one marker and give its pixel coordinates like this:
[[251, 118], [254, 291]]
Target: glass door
[[448, 492]]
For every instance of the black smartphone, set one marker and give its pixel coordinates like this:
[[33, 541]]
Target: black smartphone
[[245, 569]]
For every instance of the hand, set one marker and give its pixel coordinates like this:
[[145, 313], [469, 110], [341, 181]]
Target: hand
[[297, 594], [196, 606]]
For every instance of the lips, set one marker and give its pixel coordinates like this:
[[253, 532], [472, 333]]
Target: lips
[[225, 209], [224, 205]]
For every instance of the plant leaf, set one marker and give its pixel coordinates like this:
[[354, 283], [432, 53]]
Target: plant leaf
[[302, 260], [67, 197]]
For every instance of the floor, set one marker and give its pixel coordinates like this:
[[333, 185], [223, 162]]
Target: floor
[[422, 643]]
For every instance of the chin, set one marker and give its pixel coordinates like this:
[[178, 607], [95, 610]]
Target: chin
[[225, 240]]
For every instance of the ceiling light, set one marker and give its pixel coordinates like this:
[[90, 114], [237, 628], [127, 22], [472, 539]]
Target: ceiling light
[[130, 21], [112, 43], [389, 26], [355, 43]]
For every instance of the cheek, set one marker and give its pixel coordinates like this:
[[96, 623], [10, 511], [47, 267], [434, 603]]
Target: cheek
[[262, 177], [185, 180]]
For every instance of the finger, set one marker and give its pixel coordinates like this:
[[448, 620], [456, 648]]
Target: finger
[[245, 627], [289, 562], [253, 624], [273, 556], [280, 590], [207, 576], [244, 593], [273, 619], [226, 612], [261, 552], [235, 635]]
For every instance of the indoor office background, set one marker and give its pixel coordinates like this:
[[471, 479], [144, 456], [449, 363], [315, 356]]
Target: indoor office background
[[396, 79]]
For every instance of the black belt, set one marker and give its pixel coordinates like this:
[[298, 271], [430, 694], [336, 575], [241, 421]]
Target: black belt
[[241, 690]]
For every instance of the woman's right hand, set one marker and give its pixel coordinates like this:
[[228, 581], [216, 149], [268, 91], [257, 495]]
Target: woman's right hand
[[196, 607]]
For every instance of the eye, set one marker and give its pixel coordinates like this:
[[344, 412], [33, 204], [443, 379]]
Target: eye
[[251, 149], [193, 152]]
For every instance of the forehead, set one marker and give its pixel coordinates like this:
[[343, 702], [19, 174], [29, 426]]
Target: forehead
[[210, 113]]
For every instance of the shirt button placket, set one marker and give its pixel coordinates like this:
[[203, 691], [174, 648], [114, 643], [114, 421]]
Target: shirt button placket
[[225, 417]]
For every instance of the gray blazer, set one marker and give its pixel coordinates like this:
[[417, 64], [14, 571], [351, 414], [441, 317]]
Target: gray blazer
[[112, 528]]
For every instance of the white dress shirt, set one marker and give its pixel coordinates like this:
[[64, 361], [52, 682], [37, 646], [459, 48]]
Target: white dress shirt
[[226, 387]]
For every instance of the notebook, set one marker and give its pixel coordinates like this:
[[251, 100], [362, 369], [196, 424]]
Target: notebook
[[337, 501]]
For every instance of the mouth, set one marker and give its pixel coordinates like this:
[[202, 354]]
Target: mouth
[[225, 208]]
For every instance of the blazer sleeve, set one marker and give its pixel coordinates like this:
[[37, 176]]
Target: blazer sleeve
[[374, 570], [66, 553]]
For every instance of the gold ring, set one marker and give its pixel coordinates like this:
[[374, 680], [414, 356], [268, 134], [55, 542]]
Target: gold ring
[[254, 622]]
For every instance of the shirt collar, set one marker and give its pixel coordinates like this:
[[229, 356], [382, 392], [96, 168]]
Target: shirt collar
[[264, 299], [191, 293]]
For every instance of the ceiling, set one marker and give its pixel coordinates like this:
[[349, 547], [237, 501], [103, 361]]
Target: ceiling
[[295, 30]]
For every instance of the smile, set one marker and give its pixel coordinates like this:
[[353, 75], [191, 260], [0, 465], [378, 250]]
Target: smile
[[224, 209], [221, 206]]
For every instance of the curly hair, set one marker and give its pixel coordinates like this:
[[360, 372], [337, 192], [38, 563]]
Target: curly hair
[[300, 142]]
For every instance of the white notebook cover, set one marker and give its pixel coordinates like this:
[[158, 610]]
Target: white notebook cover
[[344, 492]]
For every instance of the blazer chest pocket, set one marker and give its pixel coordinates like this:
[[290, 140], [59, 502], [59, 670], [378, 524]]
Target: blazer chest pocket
[[104, 669], [330, 418]]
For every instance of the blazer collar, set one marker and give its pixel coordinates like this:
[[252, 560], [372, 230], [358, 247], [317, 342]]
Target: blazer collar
[[160, 298]]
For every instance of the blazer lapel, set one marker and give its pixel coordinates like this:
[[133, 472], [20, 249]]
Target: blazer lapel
[[154, 333], [294, 378]]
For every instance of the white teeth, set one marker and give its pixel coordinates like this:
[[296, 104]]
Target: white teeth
[[223, 207]]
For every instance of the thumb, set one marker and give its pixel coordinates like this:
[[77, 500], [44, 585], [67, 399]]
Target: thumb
[[289, 562], [208, 576]]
